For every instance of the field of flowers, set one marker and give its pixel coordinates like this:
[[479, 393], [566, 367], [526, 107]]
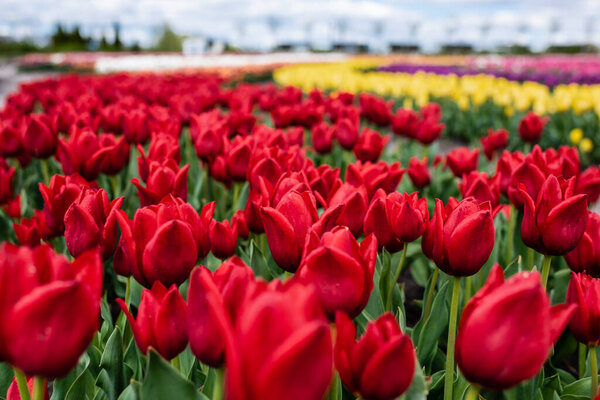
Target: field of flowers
[[362, 229]]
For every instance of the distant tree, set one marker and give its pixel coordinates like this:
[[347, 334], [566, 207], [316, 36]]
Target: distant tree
[[118, 46], [168, 40], [104, 46]]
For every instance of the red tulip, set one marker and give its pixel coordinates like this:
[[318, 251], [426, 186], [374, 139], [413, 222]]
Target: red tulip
[[32, 230], [223, 239], [432, 112], [40, 138], [586, 255], [163, 242], [531, 126], [89, 154], [429, 131], [381, 364], [213, 303], [161, 321], [588, 182], [58, 197], [135, 126], [374, 176], [11, 142], [238, 222], [555, 223], [163, 179], [511, 326], [322, 137], [375, 109], [53, 309], [405, 123], [584, 292], [479, 186], [163, 147], [418, 172], [346, 132], [91, 222], [459, 238], [354, 201], [462, 160], [340, 269], [286, 227], [370, 145], [396, 219], [280, 347], [494, 142], [209, 141], [7, 174], [238, 158]]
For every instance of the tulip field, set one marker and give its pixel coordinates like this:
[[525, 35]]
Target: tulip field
[[362, 229]]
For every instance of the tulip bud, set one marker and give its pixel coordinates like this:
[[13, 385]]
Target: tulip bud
[[277, 331], [286, 227], [418, 172], [346, 132], [480, 187], [322, 137], [381, 364], [7, 174], [91, 222], [494, 142], [354, 201], [429, 131], [163, 179], [223, 239], [53, 309], [584, 292], [374, 176], [530, 127], [462, 161], [460, 238], [340, 269], [405, 123], [586, 255], [40, 138], [555, 223], [512, 327], [163, 242], [160, 322]]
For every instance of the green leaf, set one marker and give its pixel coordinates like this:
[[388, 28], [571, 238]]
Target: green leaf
[[259, 263], [579, 388], [111, 378], [434, 326], [131, 392], [418, 388], [164, 382], [243, 199], [6, 377], [385, 275]]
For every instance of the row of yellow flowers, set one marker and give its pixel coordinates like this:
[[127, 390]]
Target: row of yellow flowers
[[476, 89]]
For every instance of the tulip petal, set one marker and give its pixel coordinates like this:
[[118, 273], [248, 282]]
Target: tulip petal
[[471, 244], [390, 370], [292, 372], [170, 325], [565, 225], [43, 320], [559, 317], [81, 231], [281, 239], [171, 254]]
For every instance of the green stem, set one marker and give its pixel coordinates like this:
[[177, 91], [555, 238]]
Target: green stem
[[113, 185], [45, 171], [467, 289], [176, 363], [546, 269], [472, 393], [424, 151], [22, 384], [128, 291], [582, 355], [512, 222], [333, 390], [217, 393], [38, 388], [451, 340], [399, 147], [530, 255], [236, 195], [594, 367], [429, 301], [388, 304]]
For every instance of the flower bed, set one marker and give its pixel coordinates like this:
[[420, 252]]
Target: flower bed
[[179, 236]]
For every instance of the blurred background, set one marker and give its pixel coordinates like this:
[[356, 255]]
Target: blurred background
[[116, 35]]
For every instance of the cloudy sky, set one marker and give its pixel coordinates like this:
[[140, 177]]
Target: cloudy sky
[[259, 24]]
